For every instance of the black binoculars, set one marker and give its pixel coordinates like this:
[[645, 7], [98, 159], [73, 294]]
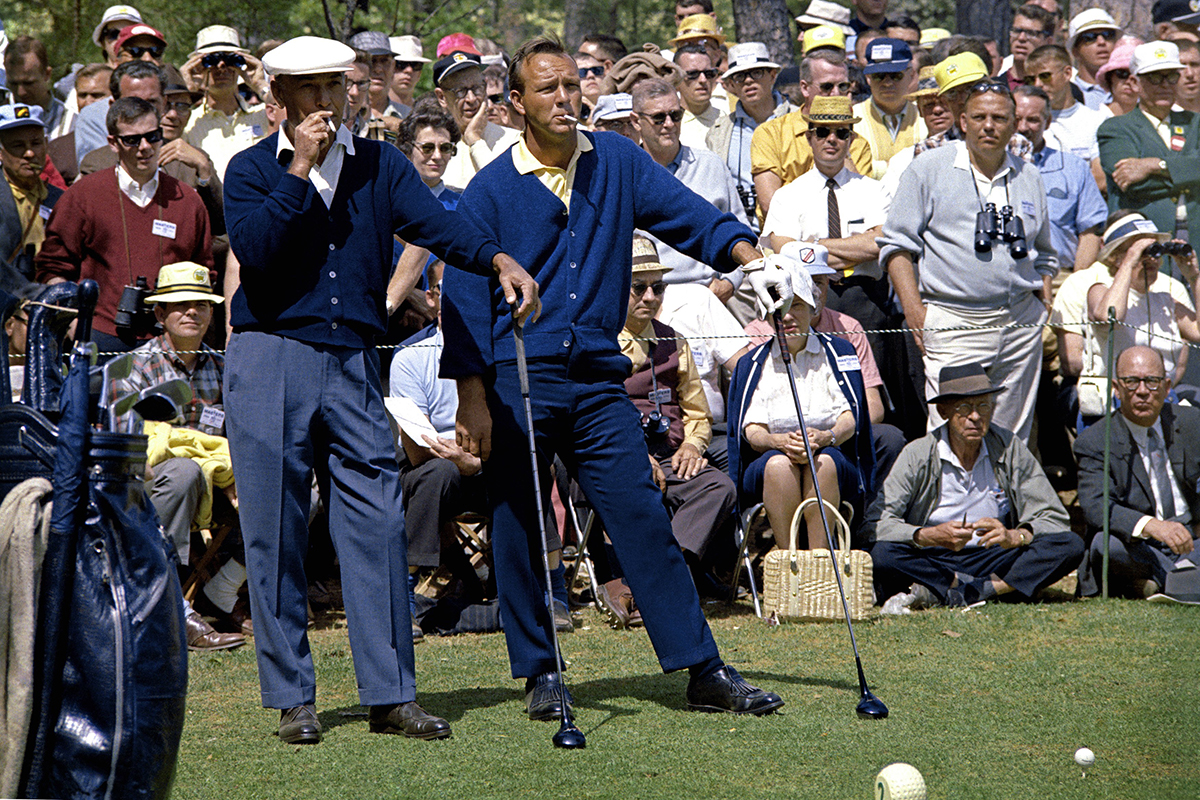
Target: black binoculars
[[655, 424], [1003, 225], [134, 317], [749, 198], [1159, 249]]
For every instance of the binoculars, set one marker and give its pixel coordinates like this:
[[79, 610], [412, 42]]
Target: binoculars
[[211, 60], [749, 198], [1004, 225], [655, 424], [134, 317], [1159, 249]]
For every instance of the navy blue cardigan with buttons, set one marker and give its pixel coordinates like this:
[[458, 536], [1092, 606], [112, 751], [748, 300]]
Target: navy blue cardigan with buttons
[[582, 261], [320, 274]]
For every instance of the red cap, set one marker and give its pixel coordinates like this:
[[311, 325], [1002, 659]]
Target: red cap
[[457, 43], [131, 31]]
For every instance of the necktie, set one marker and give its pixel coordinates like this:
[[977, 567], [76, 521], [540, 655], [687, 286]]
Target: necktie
[[1162, 481], [835, 216]]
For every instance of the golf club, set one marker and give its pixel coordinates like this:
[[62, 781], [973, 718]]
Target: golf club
[[114, 370], [568, 737], [118, 408], [869, 706], [165, 401]]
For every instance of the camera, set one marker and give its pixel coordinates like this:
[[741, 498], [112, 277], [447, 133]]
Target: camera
[[749, 198], [134, 318], [1159, 249], [655, 425]]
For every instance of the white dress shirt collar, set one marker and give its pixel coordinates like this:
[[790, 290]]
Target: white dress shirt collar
[[140, 195]]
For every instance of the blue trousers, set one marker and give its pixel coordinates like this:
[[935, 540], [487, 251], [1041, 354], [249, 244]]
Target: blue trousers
[[291, 405], [586, 417]]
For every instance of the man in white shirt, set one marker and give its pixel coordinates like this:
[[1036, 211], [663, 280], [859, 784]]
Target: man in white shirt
[[696, 90], [1073, 125], [461, 91]]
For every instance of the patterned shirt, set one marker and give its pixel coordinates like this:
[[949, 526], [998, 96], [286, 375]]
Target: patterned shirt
[[156, 361]]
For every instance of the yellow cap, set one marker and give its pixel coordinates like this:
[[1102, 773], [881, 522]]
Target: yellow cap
[[822, 36], [959, 70], [931, 35]]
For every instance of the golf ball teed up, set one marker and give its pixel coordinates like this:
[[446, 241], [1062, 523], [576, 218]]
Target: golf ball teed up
[[1084, 757], [899, 782]]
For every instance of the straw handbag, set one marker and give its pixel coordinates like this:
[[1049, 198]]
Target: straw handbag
[[799, 585]]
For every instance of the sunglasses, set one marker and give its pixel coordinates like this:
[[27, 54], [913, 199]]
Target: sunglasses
[[830, 88], [694, 74], [638, 288], [1170, 76], [445, 148], [1027, 33], [1120, 75], [985, 86], [756, 74], [135, 139], [886, 77], [1131, 382], [415, 66], [1033, 80], [110, 34], [214, 60], [822, 132], [155, 50], [1087, 37], [592, 72], [661, 117], [181, 106], [496, 99]]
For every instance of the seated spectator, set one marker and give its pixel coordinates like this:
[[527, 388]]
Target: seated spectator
[[774, 465], [696, 90], [25, 198], [888, 121], [1150, 159], [16, 331], [29, 81], [1153, 469], [189, 459], [657, 114], [460, 89], [117, 225], [1117, 78], [666, 390], [1091, 36], [967, 515]]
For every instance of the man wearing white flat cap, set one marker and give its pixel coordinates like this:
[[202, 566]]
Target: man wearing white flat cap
[[311, 213]]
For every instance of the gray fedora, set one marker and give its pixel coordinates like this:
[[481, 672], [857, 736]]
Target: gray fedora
[[963, 380]]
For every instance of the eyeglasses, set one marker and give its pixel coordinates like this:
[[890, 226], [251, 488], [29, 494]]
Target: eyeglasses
[[415, 66], [1159, 77], [1087, 37], [359, 85], [496, 99], [592, 72], [661, 117], [445, 148], [617, 125], [214, 60], [1027, 33], [1041, 77], [755, 74], [638, 288], [985, 86], [822, 132], [135, 139], [476, 89], [181, 106], [694, 74], [983, 407], [1131, 382], [886, 77], [827, 89], [155, 50]]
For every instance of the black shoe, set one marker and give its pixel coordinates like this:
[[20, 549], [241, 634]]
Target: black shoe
[[544, 697], [408, 719], [299, 725], [726, 690]]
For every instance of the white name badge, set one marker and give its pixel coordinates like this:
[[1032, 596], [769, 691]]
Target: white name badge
[[1027, 207], [163, 228], [848, 363], [44, 212], [256, 130], [660, 396], [212, 417]]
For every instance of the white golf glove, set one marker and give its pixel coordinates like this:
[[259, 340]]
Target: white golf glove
[[771, 283]]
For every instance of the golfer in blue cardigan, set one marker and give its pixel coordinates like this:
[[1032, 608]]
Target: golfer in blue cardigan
[[565, 204]]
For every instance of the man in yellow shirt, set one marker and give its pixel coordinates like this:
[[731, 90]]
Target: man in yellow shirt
[[889, 122], [25, 199]]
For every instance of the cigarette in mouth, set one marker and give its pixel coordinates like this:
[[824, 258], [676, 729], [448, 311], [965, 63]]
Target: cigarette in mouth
[[569, 118]]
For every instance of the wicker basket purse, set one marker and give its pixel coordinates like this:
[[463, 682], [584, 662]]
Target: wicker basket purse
[[799, 585]]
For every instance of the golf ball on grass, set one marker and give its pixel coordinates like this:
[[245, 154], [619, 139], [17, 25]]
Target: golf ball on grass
[[899, 781], [1084, 757]]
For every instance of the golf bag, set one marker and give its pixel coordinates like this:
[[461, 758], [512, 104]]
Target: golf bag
[[110, 671]]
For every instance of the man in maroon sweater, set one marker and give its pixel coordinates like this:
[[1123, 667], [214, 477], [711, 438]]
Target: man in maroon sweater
[[118, 225]]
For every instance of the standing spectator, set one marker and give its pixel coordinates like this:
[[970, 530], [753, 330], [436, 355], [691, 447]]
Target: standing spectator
[[613, 113], [1072, 124], [606, 49], [1091, 37], [1172, 17], [869, 14], [1188, 95], [591, 81], [112, 22], [904, 28], [935, 111], [933, 221], [656, 116], [91, 84], [1117, 78], [686, 8], [226, 123], [461, 91], [824, 12], [1077, 211], [117, 225], [378, 49], [1150, 157], [699, 78], [410, 60], [26, 200], [1032, 27], [889, 122], [29, 81], [703, 29]]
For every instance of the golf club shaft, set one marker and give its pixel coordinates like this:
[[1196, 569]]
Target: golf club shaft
[[523, 376], [812, 466]]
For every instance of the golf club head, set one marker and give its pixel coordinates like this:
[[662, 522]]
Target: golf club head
[[114, 370], [871, 707], [165, 401], [569, 737], [119, 408]]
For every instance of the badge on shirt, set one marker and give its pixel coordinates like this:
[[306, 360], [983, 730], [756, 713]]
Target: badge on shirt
[[1177, 141], [848, 363], [163, 228], [44, 212], [660, 396], [212, 417], [1027, 208], [256, 130]]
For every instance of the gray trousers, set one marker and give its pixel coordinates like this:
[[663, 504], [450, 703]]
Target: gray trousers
[[435, 493], [175, 491], [291, 405], [701, 509], [1137, 560]]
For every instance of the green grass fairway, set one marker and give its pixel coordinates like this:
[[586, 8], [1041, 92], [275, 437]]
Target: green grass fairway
[[990, 703]]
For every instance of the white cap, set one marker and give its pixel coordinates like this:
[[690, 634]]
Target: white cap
[[1155, 56], [824, 12], [408, 48], [116, 14], [1094, 19], [308, 55], [612, 106], [814, 257], [748, 55]]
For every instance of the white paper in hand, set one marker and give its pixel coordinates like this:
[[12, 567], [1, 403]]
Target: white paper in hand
[[411, 419]]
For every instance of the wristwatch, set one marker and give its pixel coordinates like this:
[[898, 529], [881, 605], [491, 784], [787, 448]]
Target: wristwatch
[[1162, 165]]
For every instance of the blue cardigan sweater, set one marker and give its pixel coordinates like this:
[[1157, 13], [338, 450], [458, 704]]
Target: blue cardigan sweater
[[582, 261], [319, 274]]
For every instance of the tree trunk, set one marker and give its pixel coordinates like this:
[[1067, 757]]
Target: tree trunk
[[990, 18], [766, 21]]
